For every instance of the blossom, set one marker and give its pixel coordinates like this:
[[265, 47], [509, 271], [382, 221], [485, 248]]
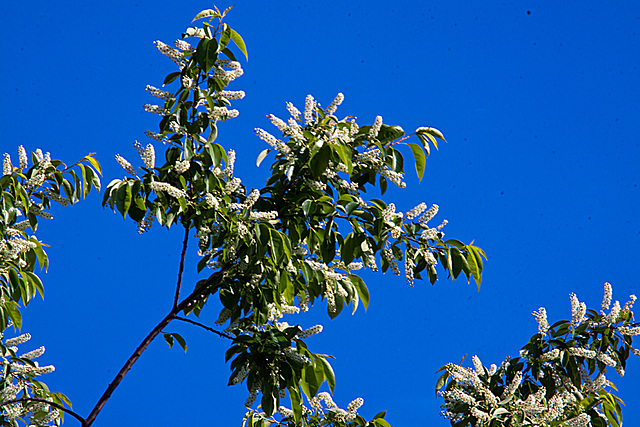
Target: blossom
[[146, 223], [167, 188], [606, 301], [252, 198], [156, 109], [433, 210], [309, 106], [211, 200], [152, 135], [37, 211], [578, 310], [279, 123], [183, 46], [182, 166], [416, 211], [7, 167], [331, 108], [125, 164], [232, 94], [391, 260], [310, 331], [295, 113], [409, 265], [22, 155], [149, 156], [375, 127], [158, 93], [541, 317], [174, 54], [232, 185]]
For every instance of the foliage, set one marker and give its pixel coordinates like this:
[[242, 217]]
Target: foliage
[[299, 239], [27, 192], [559, 378], [280, 249]]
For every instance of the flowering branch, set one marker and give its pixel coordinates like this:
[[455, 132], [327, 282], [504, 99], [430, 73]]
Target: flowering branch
[[48, 402]]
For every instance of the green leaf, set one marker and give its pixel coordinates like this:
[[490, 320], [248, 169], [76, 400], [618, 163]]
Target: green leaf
[[329, 375], [381, 422], [14, 313], [442, 381], [296, 404], [93, 161], [262, 155], [420, 160], [169, 339], [171, 77], [361, 287], [431, 132], [181, 341], [206, 14], [380, 414], [389, 133], [239, 42]]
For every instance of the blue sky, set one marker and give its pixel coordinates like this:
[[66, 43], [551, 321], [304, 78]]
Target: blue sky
[[538, 100]]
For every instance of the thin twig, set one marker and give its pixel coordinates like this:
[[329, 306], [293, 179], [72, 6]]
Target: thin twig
[[181, 269], [193, 322], [55, 405]]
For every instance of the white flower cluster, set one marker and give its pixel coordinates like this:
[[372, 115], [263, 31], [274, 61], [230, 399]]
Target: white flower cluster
[[16, 377], [37, 210], [273, 141], [155, 136], [182, 166], [409, 265], [375, 127], [309, 108], [263, 216], [227, 76], [175, 127], [125, 164], [184, 46], [331, 108], [541, 317], [292, 354], [578, 310], [232, 185], [391, 260], [55, 196], [167, 188], [22, 156], [211, 200], [231, 94], [147, 155], [158, 93], [538, 410], [222, 113], [174, 54], [145, 224], [331, 414], [306, 333], [7, 167], [156, 109]]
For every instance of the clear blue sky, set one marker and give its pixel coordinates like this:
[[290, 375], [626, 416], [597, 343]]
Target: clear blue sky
[[539, 102]]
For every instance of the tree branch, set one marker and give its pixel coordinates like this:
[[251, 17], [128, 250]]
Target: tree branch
[[222, 334], [127, 366], [55, 405], [181, 269]]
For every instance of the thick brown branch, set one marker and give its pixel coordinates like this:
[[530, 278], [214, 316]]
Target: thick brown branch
[[55, 405], [181, 269], [127, 366]]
